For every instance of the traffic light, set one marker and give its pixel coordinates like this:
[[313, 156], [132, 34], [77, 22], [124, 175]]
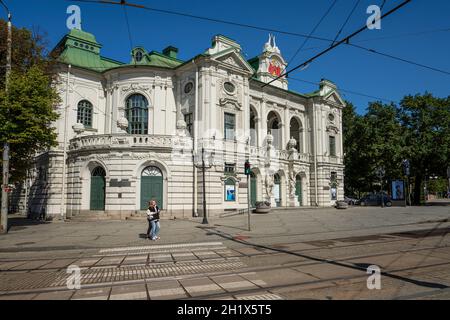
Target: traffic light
[[247, 168], [406, 167]]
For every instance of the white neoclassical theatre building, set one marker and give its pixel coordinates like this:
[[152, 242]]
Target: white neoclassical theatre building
[[131, 132]]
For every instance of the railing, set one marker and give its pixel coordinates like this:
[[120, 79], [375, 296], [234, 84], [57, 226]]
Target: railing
[[111, 141], [124, 140]]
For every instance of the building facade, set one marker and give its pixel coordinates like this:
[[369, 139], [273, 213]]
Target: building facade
[[131, 132]]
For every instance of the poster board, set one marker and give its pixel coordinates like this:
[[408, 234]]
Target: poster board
[[398, 190]]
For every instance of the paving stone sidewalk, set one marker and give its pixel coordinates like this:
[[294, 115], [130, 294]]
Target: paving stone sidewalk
[[280, 226]]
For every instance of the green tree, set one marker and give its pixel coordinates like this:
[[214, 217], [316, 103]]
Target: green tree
[[370, 141], [426, 128], [356, 138], [385, 146], [26, 114], [28, 50]]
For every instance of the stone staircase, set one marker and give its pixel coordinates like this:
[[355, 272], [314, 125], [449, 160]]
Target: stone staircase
[[88, 216]]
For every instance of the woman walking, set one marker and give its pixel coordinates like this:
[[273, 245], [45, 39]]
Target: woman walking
[[153, 220]]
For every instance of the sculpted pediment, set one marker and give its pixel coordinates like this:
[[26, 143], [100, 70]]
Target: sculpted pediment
[[234, 60], [334, 99]]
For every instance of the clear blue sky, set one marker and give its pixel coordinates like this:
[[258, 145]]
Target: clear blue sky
[[348, 67]]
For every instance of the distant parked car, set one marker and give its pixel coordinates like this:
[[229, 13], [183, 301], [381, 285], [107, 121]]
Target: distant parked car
[[351, 201], [375, 200]]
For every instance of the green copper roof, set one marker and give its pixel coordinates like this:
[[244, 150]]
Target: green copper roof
[[82, 35], [159, 60], [80, 58], [81, 49], [254, 62]]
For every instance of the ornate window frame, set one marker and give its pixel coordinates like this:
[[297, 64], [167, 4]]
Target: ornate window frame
[[85, 111]]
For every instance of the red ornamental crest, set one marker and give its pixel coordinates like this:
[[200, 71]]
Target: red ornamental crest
[[274, 68]]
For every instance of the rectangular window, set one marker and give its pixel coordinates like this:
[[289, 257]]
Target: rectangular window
[[229, 126], [333, 176], [230, 167], [188, 120], [332, 146]]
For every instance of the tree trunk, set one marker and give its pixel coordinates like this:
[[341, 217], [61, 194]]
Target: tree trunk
[[417, 189]]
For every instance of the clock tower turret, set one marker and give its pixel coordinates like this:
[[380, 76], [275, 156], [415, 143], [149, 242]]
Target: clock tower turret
[[272, 64]]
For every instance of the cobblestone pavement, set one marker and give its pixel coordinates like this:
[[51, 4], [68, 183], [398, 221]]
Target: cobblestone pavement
[[295, 260]]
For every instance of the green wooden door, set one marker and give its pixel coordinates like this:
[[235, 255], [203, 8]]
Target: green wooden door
[[277, 190], [98, 186], [252, 190], [151, 187], [298, 189]]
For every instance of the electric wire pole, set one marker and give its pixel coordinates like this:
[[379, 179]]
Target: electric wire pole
[[5, 180]]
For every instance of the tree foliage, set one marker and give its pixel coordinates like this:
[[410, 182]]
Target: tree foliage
[[27, 110], [418, 129], [26, 114], [28, 50]]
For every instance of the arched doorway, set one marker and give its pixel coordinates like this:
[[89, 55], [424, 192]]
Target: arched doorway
[[274, 128], [298, 189], [295, 132], [277, 189], [98, 187], [253, 190], [151, 187]]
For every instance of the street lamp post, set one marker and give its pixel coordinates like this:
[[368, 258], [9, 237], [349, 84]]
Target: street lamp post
[[204, 167], [205, 215], [5, 180]]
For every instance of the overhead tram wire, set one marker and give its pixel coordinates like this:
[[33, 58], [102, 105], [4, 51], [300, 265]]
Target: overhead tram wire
[[312, 32], [346, 39], [237, 24], [346, 90], [128, 28], [398, 59], [124, 3], [346, 21]]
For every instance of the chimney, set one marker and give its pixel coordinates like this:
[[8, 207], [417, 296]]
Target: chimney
[[170, 52]]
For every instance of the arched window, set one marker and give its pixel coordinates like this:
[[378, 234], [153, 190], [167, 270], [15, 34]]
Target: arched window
[[296, 133], [253, 129], [274, 127], [84, 113], [137, 114], [98, 172], [152, 172]]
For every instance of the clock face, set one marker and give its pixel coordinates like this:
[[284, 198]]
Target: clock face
[[274, 67]]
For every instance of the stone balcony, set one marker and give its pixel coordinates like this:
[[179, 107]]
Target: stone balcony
[[170, 143], [120, 141]]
